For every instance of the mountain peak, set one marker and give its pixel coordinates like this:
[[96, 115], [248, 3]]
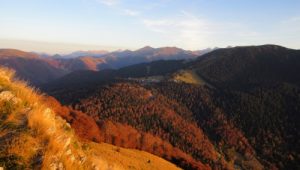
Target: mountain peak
[[94, 53], [146, 48]]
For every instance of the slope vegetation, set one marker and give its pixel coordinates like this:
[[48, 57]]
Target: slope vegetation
[[246, 116], [246, 67], [32, 136], [153, 123]]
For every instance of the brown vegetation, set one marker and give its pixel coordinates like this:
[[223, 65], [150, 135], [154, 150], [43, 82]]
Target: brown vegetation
[[33, 137]]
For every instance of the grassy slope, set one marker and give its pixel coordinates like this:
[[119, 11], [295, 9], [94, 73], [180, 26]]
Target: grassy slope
[[131, 158], [190, 77], [33, 137]]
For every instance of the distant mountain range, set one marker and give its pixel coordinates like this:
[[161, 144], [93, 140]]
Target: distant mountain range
[[118, 59], [92, 53], [30, 66], [147, 50], [39, 69]]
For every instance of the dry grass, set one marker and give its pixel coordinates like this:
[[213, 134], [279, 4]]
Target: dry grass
[[32, 136], [121, 158], [190, 77], [34, 129]]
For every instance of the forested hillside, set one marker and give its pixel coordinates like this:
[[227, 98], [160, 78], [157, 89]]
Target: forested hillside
[[244, 114]]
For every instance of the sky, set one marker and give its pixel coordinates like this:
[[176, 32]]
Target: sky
[[62, 26]]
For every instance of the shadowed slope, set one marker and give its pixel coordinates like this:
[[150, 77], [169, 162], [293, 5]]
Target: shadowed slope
[[30, 67]]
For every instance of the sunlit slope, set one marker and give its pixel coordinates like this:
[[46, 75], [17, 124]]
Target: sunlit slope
[[130, 158], [189, 76], [33, 137]]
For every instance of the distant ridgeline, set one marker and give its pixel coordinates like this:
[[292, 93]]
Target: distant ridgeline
[[40, 68]]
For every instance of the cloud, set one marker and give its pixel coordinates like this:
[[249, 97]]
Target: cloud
[[159, 25], [190, 31], [108, 2], [291, 25], [295, 19], [187, 30], [130, 12], [118, 6]]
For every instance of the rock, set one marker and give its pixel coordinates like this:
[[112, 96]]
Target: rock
[[9, 96], [4, 76], [53, 166], [56, 166], [67, 142], [6, 96], [82, 159], [51, 130], [47, 113], [68, 125], [95, 167], [72, 158], [69, 152], [60, 166]]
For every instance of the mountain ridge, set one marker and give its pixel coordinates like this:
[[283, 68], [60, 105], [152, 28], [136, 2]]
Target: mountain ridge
[[39, 69]]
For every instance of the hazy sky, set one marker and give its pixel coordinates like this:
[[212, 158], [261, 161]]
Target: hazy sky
[[59, 26]]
